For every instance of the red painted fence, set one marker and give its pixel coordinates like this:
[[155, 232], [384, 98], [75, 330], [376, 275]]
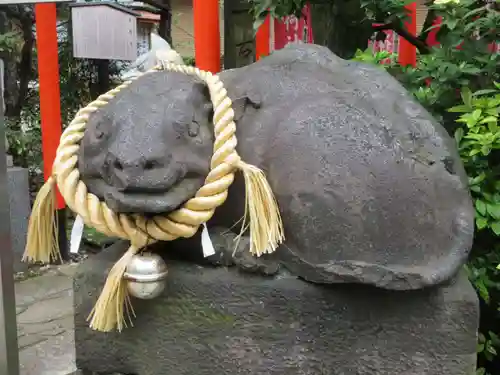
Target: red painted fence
[[291, 29], [392, 40], [278, 33]]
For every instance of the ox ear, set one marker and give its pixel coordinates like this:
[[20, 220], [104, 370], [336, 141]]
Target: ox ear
[[245, 103], [241, 104], [203, 101]]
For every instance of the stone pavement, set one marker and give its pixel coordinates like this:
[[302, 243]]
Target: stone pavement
[[45, 322]]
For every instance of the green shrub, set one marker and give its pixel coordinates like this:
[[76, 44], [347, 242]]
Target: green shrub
[[189, 60], [458, 86], [461, 60], [478, 140], [455, 82]]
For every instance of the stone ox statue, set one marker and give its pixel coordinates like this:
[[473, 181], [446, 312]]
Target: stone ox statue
[[371, 191]]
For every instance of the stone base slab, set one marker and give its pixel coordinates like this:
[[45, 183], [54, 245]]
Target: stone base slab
[[219, 321]]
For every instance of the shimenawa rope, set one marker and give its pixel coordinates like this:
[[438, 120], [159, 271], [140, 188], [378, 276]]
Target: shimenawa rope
[[261, 212]]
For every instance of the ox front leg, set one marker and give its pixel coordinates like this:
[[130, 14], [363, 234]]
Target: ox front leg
[[230, 252]]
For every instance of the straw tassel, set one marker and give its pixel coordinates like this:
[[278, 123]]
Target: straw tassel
[[113, 307], [42, 244], [262, 214]]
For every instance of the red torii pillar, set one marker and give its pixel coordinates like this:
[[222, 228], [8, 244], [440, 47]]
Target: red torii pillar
[[407, 51], [50, 101], [207, 35], [262, 39]]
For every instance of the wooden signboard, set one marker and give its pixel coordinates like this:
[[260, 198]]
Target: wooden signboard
[[239, 40], [104, 30]]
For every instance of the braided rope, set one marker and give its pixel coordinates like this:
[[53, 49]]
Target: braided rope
[[183, 222]]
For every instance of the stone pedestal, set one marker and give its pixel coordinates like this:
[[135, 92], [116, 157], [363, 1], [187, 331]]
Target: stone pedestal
[[19, 201], [220, 321]]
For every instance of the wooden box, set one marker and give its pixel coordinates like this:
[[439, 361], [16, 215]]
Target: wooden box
[[104, 30]]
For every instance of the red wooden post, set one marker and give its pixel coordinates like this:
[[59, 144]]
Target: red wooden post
[[432, 37], [207, 35], [407, 51], [50, 99], [262, 39]]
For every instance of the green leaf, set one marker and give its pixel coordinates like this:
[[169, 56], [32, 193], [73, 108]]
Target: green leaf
[[476, 115], [488, 197], [494, 210], [494, 103], [459, 133], [485, 150], [459, 109], [477, 137], [475, 11], [481, 207], [493, 127], [495, 227], [467, 97], [260, 12], [475, 188], [489, 119], [481, 223], [483, 290], [484, 92], [478, 179], [494, 338], [480, 348], [493, 111], [471, 70], [452, 23]]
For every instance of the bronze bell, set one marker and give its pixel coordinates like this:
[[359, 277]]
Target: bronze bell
[[146, 276]]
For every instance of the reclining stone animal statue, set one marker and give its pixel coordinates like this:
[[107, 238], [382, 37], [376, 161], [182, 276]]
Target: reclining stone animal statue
[[370, 188]]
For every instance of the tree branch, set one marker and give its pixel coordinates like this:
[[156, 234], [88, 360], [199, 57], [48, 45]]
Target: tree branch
[[16, 12], [401, 31], [429, 21]]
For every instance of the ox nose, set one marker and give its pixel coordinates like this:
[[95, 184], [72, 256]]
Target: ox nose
[[124, 172]]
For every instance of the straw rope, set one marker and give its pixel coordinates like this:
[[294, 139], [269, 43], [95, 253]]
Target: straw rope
[[185, 221]]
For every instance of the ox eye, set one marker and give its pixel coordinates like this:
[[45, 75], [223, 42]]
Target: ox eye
[[193, 129], [99, 131]]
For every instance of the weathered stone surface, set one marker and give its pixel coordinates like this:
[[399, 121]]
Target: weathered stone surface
[[219, 321], [19, 204], [370, 186], [45, 323]]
